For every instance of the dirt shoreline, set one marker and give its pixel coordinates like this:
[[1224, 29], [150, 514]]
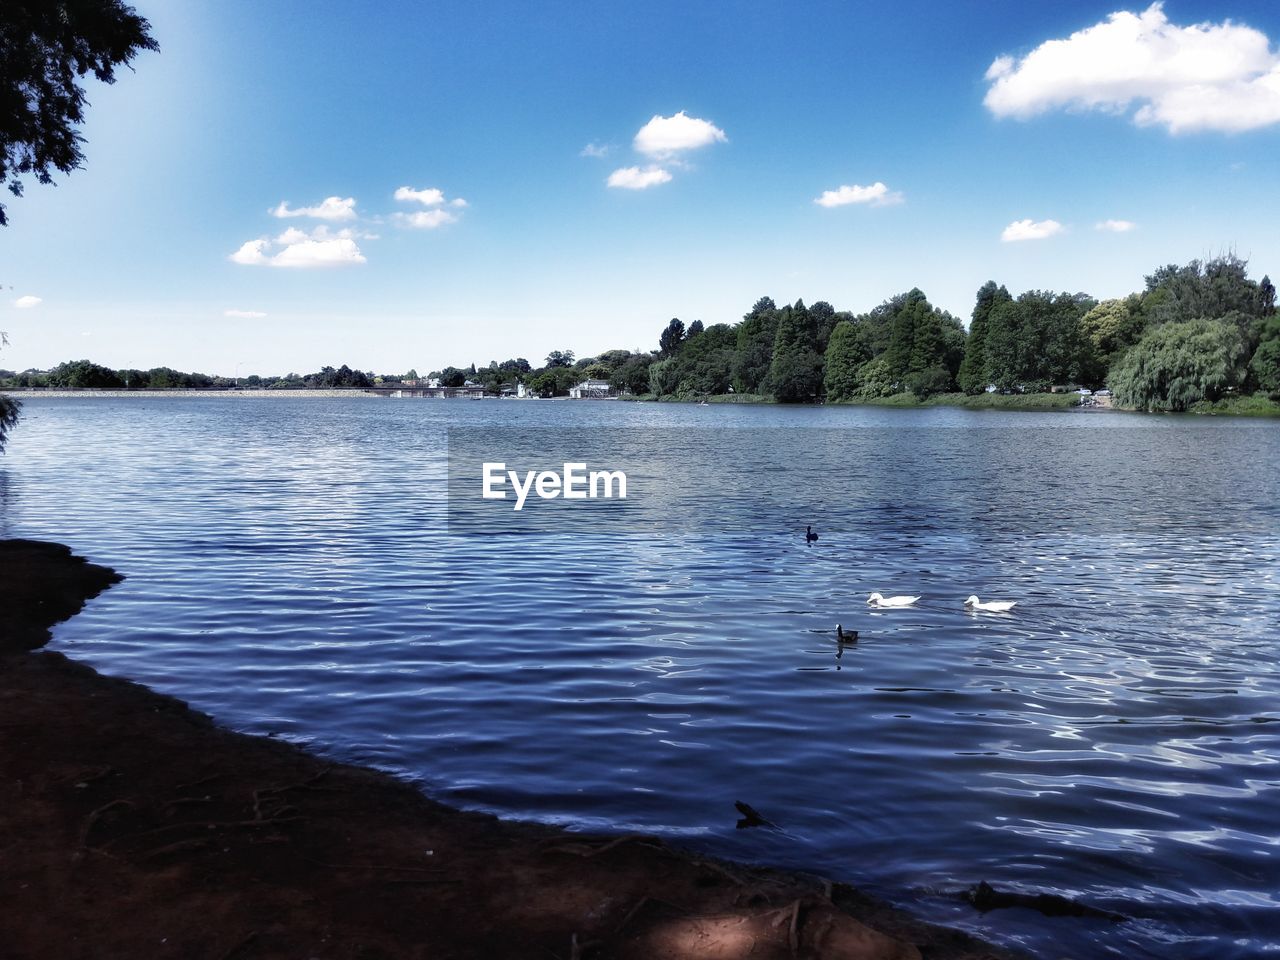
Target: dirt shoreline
[[132, 826]]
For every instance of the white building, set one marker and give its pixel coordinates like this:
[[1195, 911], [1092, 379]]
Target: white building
[[592, 389]]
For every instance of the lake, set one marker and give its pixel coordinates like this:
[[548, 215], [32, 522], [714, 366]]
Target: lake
[[294, 568]]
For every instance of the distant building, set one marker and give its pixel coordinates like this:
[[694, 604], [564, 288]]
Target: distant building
[[592, 390]]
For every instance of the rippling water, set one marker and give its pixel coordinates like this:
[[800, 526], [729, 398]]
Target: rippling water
[[1115, 739]]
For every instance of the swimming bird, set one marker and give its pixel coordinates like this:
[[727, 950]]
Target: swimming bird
[[879, 601], [842, 637], [993, 606], [809, 535]]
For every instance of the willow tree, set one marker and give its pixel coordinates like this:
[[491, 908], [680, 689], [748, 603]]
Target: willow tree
[[1178, 364]]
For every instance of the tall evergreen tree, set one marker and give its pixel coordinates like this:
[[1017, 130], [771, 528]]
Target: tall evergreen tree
[[846, 353], [901, 347], [972, 376], [754, 355], [795, 374], [672, 336]]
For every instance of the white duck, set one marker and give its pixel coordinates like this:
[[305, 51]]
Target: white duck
[[877, 600], [992, 606]]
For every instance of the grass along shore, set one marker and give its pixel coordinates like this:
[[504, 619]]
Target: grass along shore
[[1256, 405]]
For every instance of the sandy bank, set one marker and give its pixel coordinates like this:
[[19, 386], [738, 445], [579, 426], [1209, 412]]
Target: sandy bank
[[132, 826]]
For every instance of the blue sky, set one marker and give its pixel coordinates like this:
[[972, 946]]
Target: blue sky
[[1150, 120]]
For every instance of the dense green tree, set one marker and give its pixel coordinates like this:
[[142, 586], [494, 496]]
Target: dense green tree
[[632, 375], [927, 382], [1266, 305], [612, 359], [971, 376], [47, 48], [1037, 341], [330, 379], [823, 319], [1210, 288], [695, 328], [876, 326], [704, 366], [795, 372], [560, 358], [81, 374], [451, 377], [922, 340], [1265, 367], [671, 337], [664, 377], [1113, 326], [1177, 364], [876, 379], [847, 351], [754, 353], [897, 356]]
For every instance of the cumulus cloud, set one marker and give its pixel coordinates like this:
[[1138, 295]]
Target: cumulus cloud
[[634, 178], [434, 199], [877, 195], [594, 149], [244, 314], [330, 208], [300, 249], [426, 219], [1030, 230], [429, 197], [1115, 226], [1206, 76], [27, 302], [664, 137]]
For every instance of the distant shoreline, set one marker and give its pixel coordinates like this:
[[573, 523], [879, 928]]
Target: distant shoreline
[[190, 392], [1254, 406]]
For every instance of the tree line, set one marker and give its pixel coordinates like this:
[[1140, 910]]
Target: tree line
[[84, 374], [1202, 331], [1196, 332]]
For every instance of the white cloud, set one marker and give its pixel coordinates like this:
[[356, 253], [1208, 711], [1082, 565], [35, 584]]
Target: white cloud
[[664, 137], [594, 149], [299, 249], [426, 219], [1205, 76], [330, 208], [27, 302], [1115, 226], [877, 195], [633, 178], [244, 314], [1030, 230], [251, 253], [432, 198]]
